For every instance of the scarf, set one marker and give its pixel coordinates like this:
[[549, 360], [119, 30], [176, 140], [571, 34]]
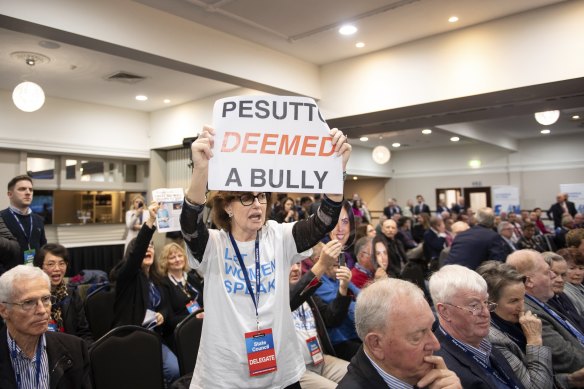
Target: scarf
[[60, 293], [512, 330]]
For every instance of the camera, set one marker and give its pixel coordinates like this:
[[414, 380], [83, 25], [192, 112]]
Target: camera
[[140, 204]]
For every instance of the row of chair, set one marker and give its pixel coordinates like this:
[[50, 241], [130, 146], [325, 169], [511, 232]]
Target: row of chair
[[131, 356]]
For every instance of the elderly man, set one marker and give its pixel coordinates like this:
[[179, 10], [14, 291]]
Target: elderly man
[[505, 230], [477, 244], [563, 338], [31, 357], [395, 323], [463, 306], [396, 251], [364, 270]]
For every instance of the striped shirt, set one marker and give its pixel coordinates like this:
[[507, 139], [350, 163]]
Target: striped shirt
[[25, 369], [391, 381]]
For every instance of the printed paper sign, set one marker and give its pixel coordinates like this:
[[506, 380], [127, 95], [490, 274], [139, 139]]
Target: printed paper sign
[[273, 144], [168, 215]]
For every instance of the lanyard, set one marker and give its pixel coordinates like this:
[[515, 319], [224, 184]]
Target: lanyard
[[246, 276], [508, 381], [37, 362], [565, 323], [22, 227], [194, 293]]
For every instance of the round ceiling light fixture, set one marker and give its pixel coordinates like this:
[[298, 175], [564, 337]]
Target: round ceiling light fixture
[[29, 96], [381, 155], [547, 118]]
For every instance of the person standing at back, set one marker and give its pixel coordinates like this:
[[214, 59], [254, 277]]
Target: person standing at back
[[26, 227]]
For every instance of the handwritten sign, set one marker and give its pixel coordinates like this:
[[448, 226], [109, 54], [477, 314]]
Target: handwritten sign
[[273, 144]]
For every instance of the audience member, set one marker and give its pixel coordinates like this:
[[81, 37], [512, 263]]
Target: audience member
[[456, 229], [441, 208], [140, 299], [421, 207], [394, 321], [516, 333], [135, 217], [560, 302], [230, 303], [575, 238], [478, 244], [579, 220], [567, 226], [560, 208], [364, 270], [391, 209], [535, 217], [183, 287], [27, 227], [287, 213], [434, 240], [530, 240], [344, 232], [564, 340], [379, 225], [420, 227], [364, 230], [461, 300], [516, 227], [459, 208], [395, 249], [505, 230], [574, 276], [67, 312], [312, 315], [31, 357], [408, 210], [404, 233]]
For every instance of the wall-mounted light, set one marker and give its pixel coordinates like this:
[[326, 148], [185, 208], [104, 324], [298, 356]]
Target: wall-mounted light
[[381, 155], [547, 118]]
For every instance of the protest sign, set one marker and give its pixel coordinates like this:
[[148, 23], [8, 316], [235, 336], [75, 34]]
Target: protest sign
[[273, 144]]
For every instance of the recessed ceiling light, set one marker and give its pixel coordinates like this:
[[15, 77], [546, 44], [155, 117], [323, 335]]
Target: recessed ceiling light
[[363, 139], [426, 131], [347, 29], [396, 144], [453, 19], [454, 139], [166, 101], [141, 98], [576, 117], [380, 137], [355, 178], [545, 131], [359, 45]]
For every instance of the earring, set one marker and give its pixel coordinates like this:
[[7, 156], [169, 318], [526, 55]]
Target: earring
[[229, 214]]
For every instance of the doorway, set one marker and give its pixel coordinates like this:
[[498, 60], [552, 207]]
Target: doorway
[[447, 195]]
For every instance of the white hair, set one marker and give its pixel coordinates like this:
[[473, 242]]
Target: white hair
[[376, 302], [18, 274], [451, 279]]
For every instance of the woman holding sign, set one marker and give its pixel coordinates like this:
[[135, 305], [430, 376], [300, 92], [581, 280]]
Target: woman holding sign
[[248, 335]]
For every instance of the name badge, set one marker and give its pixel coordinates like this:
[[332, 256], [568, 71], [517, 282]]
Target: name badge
[[28, 257], [261, 356], [53, 327], [192, 306], [314, 350]]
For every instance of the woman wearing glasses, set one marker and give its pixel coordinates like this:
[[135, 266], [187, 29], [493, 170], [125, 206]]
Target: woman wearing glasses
[[140, 300], [246, 339], [514, 332], [67, 313]]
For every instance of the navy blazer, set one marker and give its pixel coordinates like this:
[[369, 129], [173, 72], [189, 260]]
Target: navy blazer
[[472, 247], [471, 374], [361, 374], [37, 239]]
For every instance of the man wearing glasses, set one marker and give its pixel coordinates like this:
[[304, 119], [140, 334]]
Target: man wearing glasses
[[31, 357], [462, 303]]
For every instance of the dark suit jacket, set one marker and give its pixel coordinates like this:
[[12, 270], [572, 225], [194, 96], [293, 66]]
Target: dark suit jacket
[[390, 211], [556, 211], [361, 374], [424, 209], [68, 362], [471, 374], [37, 239], [433, 245], [472, 247]]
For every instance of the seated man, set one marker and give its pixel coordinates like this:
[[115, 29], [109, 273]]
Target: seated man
[[395, 323], [463, 307], [311, 317], [31, 357], [563, 338], [364, 270]]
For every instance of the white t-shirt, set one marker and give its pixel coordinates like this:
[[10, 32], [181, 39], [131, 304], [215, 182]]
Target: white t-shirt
[[305, 329], [230, 312]]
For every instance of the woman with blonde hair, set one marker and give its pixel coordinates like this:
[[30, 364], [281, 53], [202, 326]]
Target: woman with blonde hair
[[134, 218]]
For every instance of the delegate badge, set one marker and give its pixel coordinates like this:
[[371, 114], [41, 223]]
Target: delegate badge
[[261, 356], [314, 350], [192, 306]]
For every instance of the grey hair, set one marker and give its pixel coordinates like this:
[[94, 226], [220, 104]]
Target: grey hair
[[450, 279], [362, 243], [18, 274], [485, 217], [550, 257], [377, 301], [501, 226]]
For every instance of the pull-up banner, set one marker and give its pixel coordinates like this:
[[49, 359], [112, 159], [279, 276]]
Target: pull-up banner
[[273, 144]]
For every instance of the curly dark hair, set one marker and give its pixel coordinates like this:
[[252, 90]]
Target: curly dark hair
[[223, 198]]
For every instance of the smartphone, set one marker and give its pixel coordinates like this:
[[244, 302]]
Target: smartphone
[[140, 204], [342, 261]]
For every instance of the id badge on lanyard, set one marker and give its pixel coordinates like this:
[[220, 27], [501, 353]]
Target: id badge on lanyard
[[261, 356]]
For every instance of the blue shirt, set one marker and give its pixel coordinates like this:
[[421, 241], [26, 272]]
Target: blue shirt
[[327, 293]]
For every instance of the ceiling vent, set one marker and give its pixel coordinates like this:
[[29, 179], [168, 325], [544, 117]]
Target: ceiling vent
[[125, 77]]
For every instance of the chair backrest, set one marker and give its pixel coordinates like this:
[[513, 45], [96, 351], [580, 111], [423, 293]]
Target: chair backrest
[[99, 309], [187, 337], [127, 357]]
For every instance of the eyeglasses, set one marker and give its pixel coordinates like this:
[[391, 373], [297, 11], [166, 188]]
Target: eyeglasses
[[477, 309], [248, 199], [30, 304], [52, 265]]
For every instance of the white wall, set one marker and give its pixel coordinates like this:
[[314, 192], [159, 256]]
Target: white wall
[[72, 127], [536, 47]]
